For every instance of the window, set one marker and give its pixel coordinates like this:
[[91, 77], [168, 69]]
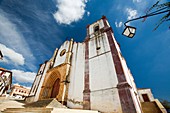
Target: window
[[145, 98], [97, 48], [62, 52], [41, 72], [96, 28], [97, 40]]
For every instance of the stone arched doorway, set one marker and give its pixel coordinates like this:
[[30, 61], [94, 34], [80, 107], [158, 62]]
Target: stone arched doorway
[[52, 87], [54, 84], [56, 88]]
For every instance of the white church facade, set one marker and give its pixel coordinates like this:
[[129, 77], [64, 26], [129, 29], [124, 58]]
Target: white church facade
[[91, 75]]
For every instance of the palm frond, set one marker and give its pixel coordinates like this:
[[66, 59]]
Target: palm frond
[[163, 19]]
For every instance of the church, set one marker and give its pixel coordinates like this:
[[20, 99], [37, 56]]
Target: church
[[91, 75]]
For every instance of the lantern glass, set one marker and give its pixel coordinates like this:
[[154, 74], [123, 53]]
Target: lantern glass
[[129, 31]]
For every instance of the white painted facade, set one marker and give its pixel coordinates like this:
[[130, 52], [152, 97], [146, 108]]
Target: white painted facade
[[38, 82], [39, 85], [60, 60], [76, 85], [103, 81], [19, 92]]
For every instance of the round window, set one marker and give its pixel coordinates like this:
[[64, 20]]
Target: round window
[[62, 52]]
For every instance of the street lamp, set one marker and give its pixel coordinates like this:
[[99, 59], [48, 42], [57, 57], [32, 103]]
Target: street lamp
[[129, 31]]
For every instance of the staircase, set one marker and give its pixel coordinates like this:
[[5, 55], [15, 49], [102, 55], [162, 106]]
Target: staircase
[[28, 110], [41, 106], [46, 103], [150, 107]]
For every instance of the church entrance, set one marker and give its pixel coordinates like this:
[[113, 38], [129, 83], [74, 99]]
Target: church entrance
[[55, 89]]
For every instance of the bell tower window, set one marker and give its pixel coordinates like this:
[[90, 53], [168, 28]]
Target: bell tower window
[[97, 48], [96, 28]]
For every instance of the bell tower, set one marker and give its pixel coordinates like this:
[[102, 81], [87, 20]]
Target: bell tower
[[106, 72], [96, 45]]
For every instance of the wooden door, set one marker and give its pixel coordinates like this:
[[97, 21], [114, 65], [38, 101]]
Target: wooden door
[[55, 89]]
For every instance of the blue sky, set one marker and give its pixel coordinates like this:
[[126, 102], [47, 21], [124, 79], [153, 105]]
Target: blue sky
[[30, 30]]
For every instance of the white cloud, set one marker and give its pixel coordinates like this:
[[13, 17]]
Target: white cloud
[[137, 1], [88, 13], [69, 11], [119, 24], [132, 13], [13, 38], [23, 77], [15, 57]]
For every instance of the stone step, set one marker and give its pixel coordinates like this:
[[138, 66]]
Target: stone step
[[46, 103], [8, 103], [28, 110], [60, 110], [46, 110], [25, 109]]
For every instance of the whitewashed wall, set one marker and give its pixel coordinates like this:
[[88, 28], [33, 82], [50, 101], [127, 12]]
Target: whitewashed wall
[[35, 85], [102, 42], [42, 80], [102, 72], [61, 59], [37, 80], [76, 85], [136, 101], [106, 100], [103, 78]]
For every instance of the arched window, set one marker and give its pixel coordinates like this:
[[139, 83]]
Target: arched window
[[96, 28]]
